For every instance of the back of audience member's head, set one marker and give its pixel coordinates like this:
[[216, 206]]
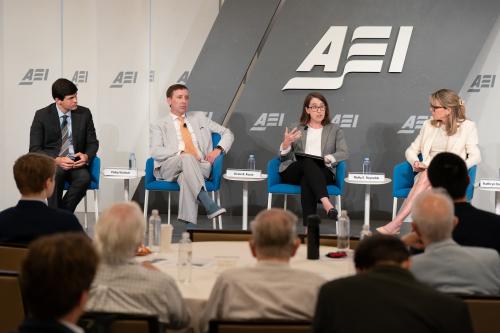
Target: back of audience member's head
[[449, 171], [433, 215], [274, 234], [31, 172], [380, 250], [57, 273], [119, 231]]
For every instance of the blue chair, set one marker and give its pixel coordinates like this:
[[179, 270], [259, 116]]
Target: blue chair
[[95, 175], [402, 182], [275, 186], [212, 184]]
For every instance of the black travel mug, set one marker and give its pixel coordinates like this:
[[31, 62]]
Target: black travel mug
[[313, 222]]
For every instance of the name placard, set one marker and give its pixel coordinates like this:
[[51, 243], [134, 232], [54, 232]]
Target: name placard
[[366, 177], [244, 173], [489, 183], [120, 172]]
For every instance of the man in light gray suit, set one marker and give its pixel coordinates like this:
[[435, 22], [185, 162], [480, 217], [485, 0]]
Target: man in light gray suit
[[445, 265], [182, 149]]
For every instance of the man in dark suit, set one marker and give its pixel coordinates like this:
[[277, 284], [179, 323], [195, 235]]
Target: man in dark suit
[[31, 218], [55, 281], [65, 131], [475, 227], [385, 297]]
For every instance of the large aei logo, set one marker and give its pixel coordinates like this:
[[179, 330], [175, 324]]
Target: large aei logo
[[369, 42]]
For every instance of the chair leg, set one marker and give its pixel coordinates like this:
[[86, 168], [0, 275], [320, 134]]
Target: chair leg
[[284, 204], [269, 199], [220, 216], [394, 207], [339, 203], [168, 215], [96, 205], [146, 199], [214, 220], [85, 223]]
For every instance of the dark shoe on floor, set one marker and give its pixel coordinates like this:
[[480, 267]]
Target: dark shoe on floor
[[216, 213], [332, 214]]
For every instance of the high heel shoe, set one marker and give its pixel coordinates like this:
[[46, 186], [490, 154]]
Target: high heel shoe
[[332, 214], [386, 231]]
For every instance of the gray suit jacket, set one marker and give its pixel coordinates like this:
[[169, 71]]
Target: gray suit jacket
[[332, 142], [451, 268], [164, 143]]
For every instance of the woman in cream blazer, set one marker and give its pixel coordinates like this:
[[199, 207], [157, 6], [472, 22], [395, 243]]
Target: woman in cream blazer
[[447, 131]]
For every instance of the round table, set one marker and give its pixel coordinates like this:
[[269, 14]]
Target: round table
[[367, 193], [245, 181]]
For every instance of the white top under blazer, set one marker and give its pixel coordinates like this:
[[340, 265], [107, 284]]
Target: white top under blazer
[[463, 143]]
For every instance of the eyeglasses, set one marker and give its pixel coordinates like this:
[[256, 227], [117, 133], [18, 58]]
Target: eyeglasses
[[317, 108], [435, 107]]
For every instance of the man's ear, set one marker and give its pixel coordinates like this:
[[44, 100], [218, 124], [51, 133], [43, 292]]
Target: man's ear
[[406, 264], [455, 221], [468, 180], [295, 247], [252, 248]]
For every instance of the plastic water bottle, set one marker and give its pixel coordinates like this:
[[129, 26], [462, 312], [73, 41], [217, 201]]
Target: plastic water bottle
[[251, 162], [343, 231], [132, 163], [367, 168], [365, 232], [184, 259], [154, 231]]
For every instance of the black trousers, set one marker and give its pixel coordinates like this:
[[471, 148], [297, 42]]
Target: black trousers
[[79, 179], [313, 177]]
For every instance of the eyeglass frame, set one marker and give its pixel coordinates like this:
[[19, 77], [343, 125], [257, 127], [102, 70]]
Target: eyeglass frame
[[316, 108], [434, 107]]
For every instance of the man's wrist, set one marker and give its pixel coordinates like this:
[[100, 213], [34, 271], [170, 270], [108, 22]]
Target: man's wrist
[[220, 148]]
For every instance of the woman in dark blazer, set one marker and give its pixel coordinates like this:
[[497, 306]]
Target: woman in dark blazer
[[317, 136]]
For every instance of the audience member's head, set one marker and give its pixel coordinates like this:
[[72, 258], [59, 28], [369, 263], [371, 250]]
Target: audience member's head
[[56, 276], [62, 88], [449, 171], [119, 231], [274, 235], [34, 174], [433, 216], [380, 250]]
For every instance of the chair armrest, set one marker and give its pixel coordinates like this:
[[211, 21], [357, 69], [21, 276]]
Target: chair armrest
[[149, 177], [273, 176], [340, 175]]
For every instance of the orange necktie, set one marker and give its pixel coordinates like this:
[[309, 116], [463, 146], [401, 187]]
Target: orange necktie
[[188, 140]]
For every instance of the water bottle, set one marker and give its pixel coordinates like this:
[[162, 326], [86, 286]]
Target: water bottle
[[367, 168], [154, 231], [184, 259], [343, 231], [132, 164], [365, 232], [251, 162]]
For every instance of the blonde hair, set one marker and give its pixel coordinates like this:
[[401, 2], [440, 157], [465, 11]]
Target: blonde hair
[[450, 100], [119, 231]]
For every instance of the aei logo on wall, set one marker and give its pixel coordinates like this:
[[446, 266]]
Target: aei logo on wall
[[268, 120], [413, 123], [124, 77], [34, 74], [328, 51], [482, 81], [80, 77], [346, 120]]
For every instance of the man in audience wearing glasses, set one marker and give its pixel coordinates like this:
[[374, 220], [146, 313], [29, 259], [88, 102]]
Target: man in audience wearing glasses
[[446, 265], [55, 281], [31, 217], [271, 289], [385, 297], [125, 286]]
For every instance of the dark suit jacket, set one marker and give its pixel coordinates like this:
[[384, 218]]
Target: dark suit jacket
[[390, 300], [476, 227], [31, 219], [42, 326], [45, 133]]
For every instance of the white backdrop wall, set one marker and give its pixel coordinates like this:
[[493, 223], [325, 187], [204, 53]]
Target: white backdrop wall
[[108, 48]]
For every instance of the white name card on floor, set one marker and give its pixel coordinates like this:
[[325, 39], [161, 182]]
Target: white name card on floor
[[489, 183], [366, 177], [244, 173], [120, 172]]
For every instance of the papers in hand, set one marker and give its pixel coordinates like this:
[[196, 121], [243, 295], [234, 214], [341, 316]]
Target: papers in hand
[[244, 173], [366, 177]]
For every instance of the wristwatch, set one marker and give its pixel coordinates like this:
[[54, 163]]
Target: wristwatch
[[220, 148]]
